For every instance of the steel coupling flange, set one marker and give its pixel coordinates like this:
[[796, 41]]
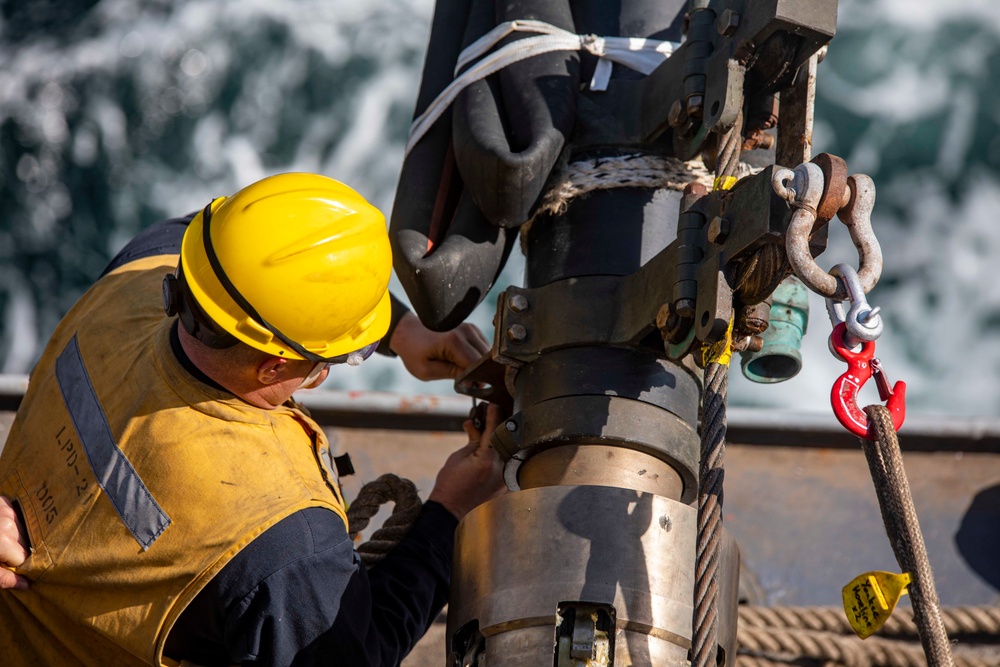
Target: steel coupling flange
[[592, 420]]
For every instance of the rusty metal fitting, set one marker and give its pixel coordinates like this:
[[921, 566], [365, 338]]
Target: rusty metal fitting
[[663, 315], [517, 333], [754, 319], [518, 303], [762, 113], [857, 216], [684, 307], [671, 325], [677, 114], [695, 188], [803, 189], [693, 106], [748, 344], [690, 127], [718, 230], [835, 191], [758, 139], [728, 22]]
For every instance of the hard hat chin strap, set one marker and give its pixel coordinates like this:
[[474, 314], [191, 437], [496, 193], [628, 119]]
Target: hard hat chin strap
[[178, 300]]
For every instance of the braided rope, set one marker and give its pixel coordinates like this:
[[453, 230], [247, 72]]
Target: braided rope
[[371, 497], [747, 660], [638, 170], [900, 518], [790, 645], [958, 621]]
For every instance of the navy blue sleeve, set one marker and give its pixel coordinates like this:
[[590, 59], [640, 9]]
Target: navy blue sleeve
[[398, 310], [161, 238], [298, 595]]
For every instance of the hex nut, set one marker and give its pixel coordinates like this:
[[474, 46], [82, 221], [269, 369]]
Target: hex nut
[[518, 303], [517, 333], [718, 230], [662, 316], [728, 22], [694, 104], [677, 114], [685, 307]]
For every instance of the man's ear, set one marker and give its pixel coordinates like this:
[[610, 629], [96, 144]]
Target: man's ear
[[270, 370]]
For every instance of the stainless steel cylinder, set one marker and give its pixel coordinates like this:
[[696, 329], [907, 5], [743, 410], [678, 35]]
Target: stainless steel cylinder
[[549, 576]]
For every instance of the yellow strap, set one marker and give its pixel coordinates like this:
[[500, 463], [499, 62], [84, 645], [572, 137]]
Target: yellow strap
[[720, 352], [724, 182]]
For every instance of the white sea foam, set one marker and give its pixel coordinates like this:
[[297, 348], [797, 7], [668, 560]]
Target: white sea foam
[[332, 87], [917, 14]]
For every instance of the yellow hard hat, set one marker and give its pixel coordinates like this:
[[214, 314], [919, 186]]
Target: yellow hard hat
[[295, 265]]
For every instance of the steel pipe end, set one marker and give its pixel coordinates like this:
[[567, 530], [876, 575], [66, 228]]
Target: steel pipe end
[[776, 361], [779, 358]]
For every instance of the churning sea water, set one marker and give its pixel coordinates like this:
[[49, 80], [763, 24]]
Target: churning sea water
[[116, 113]]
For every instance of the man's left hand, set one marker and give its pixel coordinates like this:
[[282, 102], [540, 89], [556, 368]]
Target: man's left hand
[[13, 546], [434, 355]]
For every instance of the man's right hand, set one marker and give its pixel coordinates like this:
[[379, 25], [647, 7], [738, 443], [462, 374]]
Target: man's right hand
[[473, 474], [13, 546]]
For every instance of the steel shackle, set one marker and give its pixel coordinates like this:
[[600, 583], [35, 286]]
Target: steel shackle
[[864, 323], [802, 188]]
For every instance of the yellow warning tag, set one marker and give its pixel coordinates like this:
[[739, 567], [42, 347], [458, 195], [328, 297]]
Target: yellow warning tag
[[870, 599]]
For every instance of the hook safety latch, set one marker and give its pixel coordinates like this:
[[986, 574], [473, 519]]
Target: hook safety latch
[[860, 368]]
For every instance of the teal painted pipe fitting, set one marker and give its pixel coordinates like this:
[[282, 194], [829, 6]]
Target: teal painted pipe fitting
[[780, 358]]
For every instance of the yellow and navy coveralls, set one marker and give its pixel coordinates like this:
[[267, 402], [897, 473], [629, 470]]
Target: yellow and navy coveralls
[[170, 520]]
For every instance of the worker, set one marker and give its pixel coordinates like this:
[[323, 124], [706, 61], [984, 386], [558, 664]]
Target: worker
[[176, 502]]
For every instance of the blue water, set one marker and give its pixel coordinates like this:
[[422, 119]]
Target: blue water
[[116, 113]]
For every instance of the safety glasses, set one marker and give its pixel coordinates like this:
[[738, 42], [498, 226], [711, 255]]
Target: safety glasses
[[354, 358]]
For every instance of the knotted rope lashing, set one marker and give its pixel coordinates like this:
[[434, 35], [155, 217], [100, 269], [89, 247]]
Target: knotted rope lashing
[[387, 488]]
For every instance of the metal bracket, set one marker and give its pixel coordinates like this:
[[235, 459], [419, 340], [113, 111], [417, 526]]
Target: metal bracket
[[622, 311]]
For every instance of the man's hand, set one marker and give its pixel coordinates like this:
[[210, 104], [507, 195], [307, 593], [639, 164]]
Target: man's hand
[[473, 474], [434, 355], [13, 546]]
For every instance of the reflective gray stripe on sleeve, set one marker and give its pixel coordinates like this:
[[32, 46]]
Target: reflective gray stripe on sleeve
[[116, 476]]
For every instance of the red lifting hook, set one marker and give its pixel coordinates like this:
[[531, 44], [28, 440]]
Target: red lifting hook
[[861, 367]]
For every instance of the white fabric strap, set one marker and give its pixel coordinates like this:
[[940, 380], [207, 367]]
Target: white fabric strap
[[642, 55], [484, 44]]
